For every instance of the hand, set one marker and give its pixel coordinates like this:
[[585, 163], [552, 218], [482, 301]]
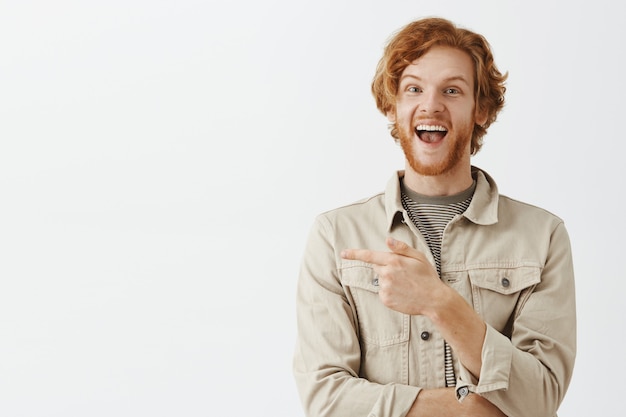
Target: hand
[[408, 282]]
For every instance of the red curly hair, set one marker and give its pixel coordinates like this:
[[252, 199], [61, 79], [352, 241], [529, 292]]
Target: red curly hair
[[413, 41]]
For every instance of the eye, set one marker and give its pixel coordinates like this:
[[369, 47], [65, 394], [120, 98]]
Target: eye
[[413, 89], [452, 91]]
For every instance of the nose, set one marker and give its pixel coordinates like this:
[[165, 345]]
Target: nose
[[431, 102]]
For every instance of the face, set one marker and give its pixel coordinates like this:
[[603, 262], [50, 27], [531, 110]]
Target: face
[[435, 111]]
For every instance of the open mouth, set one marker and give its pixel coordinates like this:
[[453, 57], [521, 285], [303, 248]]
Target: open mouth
[[431, 133]]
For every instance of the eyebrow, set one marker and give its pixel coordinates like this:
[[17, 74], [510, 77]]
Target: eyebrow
[[445, 80]]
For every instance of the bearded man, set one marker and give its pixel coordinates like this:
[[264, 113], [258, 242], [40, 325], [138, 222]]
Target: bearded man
[[438, 296]]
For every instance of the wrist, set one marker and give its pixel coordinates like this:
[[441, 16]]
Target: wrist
[[444, 303]]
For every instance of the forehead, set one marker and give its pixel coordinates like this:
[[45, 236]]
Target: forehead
[[441, 63]]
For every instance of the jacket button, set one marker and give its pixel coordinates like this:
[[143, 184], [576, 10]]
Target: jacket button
[[425, 335], [505, 282]]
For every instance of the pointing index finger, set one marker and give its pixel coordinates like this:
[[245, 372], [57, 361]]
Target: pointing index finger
[[365, 255]]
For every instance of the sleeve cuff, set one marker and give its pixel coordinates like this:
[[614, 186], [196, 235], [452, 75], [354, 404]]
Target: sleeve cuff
[[497, 354]]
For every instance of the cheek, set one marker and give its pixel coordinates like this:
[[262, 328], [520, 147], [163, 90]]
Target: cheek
[[405, 107], [404, 114]]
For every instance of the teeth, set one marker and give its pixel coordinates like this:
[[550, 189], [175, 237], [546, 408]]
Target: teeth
[[431, 128]]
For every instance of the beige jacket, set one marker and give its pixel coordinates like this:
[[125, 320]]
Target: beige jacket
[[511, 261]]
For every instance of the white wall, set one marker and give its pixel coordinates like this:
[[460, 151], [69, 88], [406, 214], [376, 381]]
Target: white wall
[[161, 163]]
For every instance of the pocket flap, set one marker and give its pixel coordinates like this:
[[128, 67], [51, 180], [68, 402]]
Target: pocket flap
[[359, 274], [505, 280]]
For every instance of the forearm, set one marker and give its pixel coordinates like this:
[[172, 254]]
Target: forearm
[[328, 362], [519, 375], [442, 402], [338, 394], [439, 402], [461, 327]]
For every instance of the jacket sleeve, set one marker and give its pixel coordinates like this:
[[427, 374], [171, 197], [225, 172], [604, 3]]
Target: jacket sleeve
[[528, 374], [328, 355]]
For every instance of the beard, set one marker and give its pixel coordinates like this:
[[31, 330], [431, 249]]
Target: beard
[[458, 145]]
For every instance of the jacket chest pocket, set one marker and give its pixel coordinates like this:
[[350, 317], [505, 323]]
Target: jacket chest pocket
[[498, 294], [378, 325]]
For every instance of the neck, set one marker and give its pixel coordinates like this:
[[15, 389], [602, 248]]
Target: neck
[[449, 183]]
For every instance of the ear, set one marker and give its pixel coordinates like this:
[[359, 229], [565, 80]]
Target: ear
[[480, 116], [391, 115]]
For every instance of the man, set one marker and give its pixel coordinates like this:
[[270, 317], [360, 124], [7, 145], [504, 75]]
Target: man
[[438, 297]]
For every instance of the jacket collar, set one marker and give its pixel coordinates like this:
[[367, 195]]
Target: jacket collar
[[482, 210]]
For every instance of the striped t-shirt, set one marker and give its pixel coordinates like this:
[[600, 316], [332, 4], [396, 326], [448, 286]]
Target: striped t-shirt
[[431, 215]]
